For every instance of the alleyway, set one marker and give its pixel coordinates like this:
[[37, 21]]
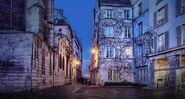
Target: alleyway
[[84, 92]]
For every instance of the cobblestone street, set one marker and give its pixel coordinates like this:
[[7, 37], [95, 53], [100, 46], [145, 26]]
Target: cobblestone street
[[84, 92]]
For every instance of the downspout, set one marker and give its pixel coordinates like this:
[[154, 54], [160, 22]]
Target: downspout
[[31, 65], [53, 68]]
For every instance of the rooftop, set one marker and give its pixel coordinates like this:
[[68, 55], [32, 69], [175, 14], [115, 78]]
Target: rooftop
[[114, 2]]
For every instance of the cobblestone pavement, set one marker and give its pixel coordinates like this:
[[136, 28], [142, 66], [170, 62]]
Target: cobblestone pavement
[[84, 92]]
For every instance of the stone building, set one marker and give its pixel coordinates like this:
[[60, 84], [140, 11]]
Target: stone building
[[12, 15], [167, 22], [62, 44], [158, 31], [32, 55], [142, 41], [77, 59], [70, 54], [112, 40]]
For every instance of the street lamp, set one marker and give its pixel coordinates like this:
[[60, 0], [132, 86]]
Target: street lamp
[[93, 50]]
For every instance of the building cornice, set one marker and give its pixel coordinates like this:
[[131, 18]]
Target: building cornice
[[167, 51]]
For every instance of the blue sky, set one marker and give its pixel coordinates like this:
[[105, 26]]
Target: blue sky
[[80, 16]]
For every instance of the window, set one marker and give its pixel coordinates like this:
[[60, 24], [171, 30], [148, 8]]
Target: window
[[43, 61], [158, 1], [128, 52], [109, 52], [63, 63], [112, 75], [142, 74], [161, 42], [12, 15], [126, 14], [109, 13], [161, 16], [180, 30], [140, 9], [183, 34], [60, 62], [109, 31], [140, 52], [50, 64], [127, 32], [180, 7], [140, 28]]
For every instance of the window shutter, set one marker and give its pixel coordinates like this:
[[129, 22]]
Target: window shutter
[[166, 40], [178, 7], [155, 44], [166, 12], [178, 31], [155, 19]]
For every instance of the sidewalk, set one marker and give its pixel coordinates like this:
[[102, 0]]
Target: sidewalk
[[76, 87]]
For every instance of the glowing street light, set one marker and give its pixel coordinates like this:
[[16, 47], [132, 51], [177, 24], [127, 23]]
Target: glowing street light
[[93, 50]]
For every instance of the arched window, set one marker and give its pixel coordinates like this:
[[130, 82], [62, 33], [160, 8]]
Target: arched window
[[109, 52], [60, 62]]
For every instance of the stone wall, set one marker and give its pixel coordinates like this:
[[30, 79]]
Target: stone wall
[[27, 63], [15, 61]]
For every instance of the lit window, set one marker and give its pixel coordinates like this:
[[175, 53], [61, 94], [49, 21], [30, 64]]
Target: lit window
[[109, 32], [128, 52]]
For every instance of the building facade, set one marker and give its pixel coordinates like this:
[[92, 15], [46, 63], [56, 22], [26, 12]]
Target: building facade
[[113, 42], [158, 41], [33, 56], [142, 41], [166, 19], [71, 52]]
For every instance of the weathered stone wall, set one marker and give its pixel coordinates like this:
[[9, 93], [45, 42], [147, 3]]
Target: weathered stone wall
[[15, 61], [43, 64], [27, 63]]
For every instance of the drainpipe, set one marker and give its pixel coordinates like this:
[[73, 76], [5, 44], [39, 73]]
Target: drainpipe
[[53, 68], [31, 65]]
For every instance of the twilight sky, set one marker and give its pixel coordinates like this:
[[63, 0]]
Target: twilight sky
[[80, 16]]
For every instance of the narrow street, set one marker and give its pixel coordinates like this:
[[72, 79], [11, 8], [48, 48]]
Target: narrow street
[[93, 92]]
